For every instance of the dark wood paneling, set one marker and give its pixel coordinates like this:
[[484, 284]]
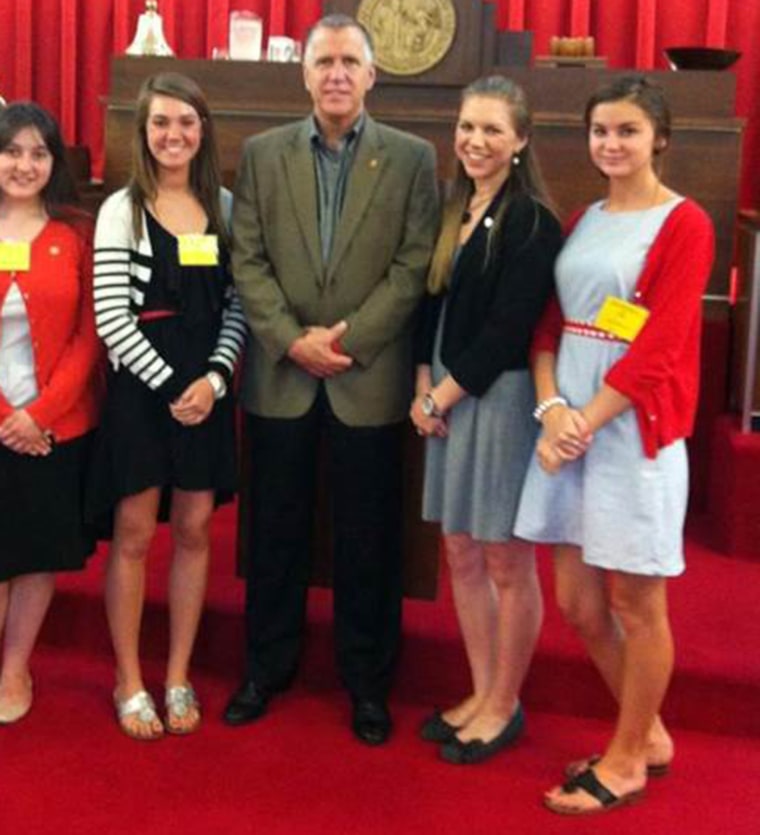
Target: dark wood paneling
[[745, 366]]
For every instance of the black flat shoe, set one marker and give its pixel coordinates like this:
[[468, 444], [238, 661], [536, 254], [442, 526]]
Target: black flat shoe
[[436, 729], [475, 751], [247, 704], [371, 721]]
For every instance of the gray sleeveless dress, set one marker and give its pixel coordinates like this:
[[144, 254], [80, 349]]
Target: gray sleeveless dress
[[474, 476], [626, 511]]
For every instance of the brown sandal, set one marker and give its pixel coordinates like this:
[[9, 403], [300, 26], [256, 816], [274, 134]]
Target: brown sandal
[[589, 783], [577, 767]]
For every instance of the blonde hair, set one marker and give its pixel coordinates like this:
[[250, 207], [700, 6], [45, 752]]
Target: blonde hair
[[524, 179]]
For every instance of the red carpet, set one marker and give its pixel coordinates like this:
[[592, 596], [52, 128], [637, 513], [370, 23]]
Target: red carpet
[[66, 768]]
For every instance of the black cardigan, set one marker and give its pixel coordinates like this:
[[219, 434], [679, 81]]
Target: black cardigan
[[493, 308]]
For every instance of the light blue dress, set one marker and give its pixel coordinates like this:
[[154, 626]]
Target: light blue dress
[[626, 511]]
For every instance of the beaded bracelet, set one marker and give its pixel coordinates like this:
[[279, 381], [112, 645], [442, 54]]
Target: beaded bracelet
[[544, 406]]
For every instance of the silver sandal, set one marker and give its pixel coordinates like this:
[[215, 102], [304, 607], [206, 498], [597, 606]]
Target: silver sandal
[[180, 701], [141, 707]]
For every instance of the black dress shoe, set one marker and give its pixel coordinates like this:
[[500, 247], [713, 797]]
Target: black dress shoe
[[476, 750], [371, 722], [247, 704], [436, 729]]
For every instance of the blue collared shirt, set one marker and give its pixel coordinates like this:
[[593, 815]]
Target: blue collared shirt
[[332, 167]]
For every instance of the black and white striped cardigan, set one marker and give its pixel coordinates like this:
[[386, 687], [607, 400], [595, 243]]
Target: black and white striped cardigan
[[123, 270]]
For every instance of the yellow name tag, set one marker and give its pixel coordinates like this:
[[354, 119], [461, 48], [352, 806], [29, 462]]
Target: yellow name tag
[[621, 318], [198, 250], [15, 256]]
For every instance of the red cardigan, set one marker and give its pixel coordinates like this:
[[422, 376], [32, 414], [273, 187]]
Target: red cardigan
[[659, 372], [57, 291]]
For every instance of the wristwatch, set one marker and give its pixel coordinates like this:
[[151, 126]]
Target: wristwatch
[[430, 407], [218, 386]]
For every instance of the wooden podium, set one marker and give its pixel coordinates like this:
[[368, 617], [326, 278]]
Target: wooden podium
[[703, 162]]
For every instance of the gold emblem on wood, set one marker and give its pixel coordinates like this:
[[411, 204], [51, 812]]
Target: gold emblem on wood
[[411, 36]]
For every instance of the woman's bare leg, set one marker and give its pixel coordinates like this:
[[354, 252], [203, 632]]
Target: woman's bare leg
[[28, 600], [476, 608], [190, 518], [641, 605], [512, 569], [134, 527], [584, 599]]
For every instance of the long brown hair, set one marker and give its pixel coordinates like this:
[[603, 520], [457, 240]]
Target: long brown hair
[[524, 178], [205, 174]]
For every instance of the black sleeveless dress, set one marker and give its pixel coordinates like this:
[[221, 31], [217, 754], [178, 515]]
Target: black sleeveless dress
[[140, 444]]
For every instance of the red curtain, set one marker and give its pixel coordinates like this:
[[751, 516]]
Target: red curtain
[[57, 51]]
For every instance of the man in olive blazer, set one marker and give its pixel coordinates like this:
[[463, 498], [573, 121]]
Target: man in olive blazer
[[334, 222]]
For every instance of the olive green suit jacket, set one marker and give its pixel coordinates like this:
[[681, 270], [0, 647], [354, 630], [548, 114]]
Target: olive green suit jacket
[[373, 279]]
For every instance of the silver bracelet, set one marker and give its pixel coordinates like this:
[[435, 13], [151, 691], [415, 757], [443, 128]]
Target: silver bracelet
[[544, 406]]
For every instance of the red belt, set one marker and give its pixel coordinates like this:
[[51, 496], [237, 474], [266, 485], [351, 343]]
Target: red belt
[[152, 315], [591, 331]]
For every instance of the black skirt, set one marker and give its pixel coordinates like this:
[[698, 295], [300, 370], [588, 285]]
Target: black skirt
[[42, 501], [140, 445]]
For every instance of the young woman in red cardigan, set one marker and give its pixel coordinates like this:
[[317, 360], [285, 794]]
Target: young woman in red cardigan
[[49, 356], [616, 364]]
